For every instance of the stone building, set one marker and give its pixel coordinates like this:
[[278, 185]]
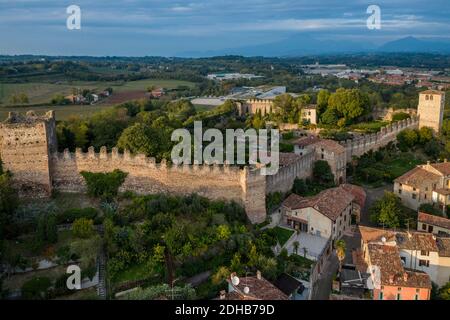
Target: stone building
[[324, 149], [309, 113], [327, 214], [265, 106], [431, 109], [412, 250], [433, 224], [27, 143], [429, 183]]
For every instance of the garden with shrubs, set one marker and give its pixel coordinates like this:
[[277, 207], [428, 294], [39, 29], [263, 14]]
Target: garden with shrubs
[[160, 246]]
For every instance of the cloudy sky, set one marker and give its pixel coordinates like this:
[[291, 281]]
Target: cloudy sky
[[168, 27]]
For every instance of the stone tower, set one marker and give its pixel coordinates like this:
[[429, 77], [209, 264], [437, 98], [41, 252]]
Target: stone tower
[[431, 109], [26, 144]]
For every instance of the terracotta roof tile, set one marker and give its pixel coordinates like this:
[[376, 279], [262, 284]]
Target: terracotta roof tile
[[416, 177], [259, 289], [387, 258], [329, 145], [413, 240], [442, 167], [357, 191], [329, 202], [443, 246], [434, 220]]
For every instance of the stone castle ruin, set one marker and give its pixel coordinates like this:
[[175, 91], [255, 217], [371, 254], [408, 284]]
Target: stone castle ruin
[[28, 149]]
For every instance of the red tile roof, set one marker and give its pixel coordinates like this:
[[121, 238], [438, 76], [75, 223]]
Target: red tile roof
[[387, 258], [329, 202], [434, 220], [357, 191], [416, 177], [259, 289], [412, 240], [442, 167]]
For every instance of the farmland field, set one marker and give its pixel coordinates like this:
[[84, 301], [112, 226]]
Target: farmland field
[[42, 92], [62, 112]]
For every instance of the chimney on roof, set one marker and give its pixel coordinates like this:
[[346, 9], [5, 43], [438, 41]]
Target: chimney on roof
[[405, 276], [445, 160], [258, 275], [222, 295], [428, 164]]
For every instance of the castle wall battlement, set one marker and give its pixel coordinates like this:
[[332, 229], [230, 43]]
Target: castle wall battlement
[[146, 176], [357, 147]]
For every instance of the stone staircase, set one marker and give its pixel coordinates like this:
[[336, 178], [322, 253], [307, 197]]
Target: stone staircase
[[101, 265]]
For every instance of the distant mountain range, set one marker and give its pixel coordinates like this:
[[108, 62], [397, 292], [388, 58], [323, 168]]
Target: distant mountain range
[[301, 45]]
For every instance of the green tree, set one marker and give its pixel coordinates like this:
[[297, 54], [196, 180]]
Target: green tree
[[322, 101], [432, 148], [236, 265], [223, 232], [8, 203], [52, 229], [329, 117], [83, 228], [322, 173], [106, 126], [446, 127], [387, 211], [407, 138], [252, 256], [349, 103], [104, 185], [300, 187], [444, 292], [340, 248], [425, 135], [221, 275]]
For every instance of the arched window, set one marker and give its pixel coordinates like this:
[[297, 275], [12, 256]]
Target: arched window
[[431, 97], [427, 98]]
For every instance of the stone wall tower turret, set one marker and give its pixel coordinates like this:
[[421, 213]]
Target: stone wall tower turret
[[431, 109], [26, 144]]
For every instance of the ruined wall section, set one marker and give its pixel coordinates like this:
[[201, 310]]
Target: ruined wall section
[[145, 176], [357, 147]]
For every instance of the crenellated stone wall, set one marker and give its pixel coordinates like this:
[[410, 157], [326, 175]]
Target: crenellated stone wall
[[357, 147], [284, 179], [146, 176], [28, 150]]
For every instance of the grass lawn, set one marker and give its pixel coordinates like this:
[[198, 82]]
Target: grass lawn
[[301, 261], [135, 272], [402, 165], [369, 127], [283, 234]]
